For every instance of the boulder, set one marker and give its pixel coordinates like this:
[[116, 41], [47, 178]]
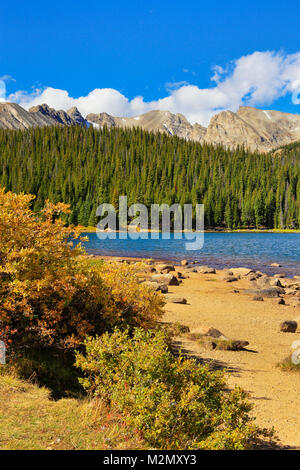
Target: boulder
[[281, 275], [214, 339], [258, 298], [184, 262], [241, 271], [237, 345], [230, 279], [177, 300], [281, 302], [269, 292], [206, 270], [276, 265], [179, 275], [163, 288], [214, 333], [289, 326], [275, 282], [165, 268], [167, 279], [264, 281]]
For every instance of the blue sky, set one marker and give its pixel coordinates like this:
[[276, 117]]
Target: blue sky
[[152, 50]]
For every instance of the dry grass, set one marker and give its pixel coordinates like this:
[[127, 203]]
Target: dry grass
[[221, 344], [29, 419], [288, 366]]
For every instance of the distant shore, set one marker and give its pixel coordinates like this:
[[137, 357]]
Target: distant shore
[[239, 230]]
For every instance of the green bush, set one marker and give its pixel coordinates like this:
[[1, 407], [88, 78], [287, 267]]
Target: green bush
[[173, 402], [51, 296]]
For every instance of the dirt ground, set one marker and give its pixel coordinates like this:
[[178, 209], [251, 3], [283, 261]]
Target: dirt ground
[[211, 302]]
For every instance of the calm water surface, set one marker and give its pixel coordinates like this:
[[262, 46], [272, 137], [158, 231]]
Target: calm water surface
[[220, 250]]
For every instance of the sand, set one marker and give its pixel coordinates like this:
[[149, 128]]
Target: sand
[[211, 302]]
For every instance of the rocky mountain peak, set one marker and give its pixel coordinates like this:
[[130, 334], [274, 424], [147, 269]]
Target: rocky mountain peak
[[76, 116], [255, 129]]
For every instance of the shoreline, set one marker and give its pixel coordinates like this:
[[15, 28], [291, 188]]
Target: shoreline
[[219, 264]]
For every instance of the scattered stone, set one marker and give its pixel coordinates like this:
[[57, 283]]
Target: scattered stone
[[289, 326], [264, 281], [232, 345], [281, 302], [275, 282], [165, 268], [214, 333], [180, 275], [281, 275], [167, 279], [241, 271], [178, 300], [218, 341], [163, 288], [184, 262], [236, 291], [206, 270], [224, 344], [230, 279], [276, 265], [258, 298], [270, 292]]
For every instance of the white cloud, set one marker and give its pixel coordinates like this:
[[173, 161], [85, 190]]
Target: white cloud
[[7, 78], [256, 79]]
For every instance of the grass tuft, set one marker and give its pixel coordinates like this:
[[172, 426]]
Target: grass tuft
[[288, 366]]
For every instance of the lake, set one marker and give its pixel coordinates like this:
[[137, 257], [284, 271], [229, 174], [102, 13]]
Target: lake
[[220, 250]]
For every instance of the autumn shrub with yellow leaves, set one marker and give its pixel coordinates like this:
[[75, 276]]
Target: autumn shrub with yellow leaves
[[50, 296]]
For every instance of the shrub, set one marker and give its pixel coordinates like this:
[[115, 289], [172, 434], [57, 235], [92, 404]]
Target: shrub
[[136, 304], [173, 402], [50, 297]]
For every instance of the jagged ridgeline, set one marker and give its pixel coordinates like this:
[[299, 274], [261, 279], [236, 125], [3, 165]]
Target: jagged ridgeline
[[86, 167]]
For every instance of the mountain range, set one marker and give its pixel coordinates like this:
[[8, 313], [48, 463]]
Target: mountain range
[[256, 129]]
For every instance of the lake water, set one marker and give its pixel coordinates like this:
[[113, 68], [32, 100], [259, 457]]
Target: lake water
[[220, 250]]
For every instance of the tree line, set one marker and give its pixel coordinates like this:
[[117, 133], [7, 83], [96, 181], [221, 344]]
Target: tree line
[[87, 167]]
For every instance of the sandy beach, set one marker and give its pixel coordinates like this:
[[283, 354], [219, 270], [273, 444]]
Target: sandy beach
[[213, 302]]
